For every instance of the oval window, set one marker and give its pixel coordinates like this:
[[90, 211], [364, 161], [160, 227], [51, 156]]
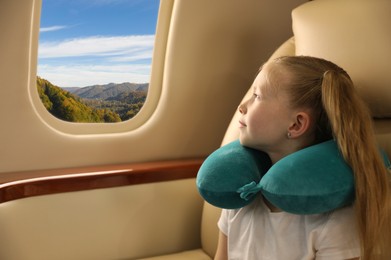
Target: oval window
[[94, 58]]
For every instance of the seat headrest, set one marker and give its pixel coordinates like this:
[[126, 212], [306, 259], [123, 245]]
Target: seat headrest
[[356, 35]]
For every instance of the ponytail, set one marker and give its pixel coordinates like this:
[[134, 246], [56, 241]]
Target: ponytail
[[340, 113], [351, 124]]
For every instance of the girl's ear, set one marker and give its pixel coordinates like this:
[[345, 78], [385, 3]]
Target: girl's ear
[[300, 125]]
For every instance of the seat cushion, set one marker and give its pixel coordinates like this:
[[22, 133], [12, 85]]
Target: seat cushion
[[357, 38]]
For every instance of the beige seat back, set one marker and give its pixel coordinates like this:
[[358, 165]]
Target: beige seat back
[[354, 34]]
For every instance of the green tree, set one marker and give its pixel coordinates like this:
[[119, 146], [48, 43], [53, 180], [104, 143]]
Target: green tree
[[69, 107]]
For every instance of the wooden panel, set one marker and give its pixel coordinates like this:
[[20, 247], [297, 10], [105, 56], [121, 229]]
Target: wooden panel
[[17, 185]]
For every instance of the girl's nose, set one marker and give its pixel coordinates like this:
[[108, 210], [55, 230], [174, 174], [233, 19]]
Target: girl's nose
[[242, 109]]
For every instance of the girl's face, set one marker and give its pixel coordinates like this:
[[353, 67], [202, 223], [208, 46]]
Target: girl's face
[[266, 116]]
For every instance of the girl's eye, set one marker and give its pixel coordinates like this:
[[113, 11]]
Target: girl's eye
[[256, 96]]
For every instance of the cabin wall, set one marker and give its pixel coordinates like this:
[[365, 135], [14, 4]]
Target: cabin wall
[[116, 223], [206, 57]]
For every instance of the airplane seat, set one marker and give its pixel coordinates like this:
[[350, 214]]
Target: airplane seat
[[211, 214], [353, 34]]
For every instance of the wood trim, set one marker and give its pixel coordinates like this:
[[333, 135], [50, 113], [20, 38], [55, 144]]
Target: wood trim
[[18, 185]]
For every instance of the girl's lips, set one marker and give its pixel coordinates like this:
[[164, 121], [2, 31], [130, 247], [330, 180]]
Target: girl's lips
[[241, 124]]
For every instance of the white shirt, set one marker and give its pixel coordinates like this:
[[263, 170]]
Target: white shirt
[[256, 233]]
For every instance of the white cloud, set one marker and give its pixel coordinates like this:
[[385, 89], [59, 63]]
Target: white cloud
[[52, 28], [96, 45], [86, 75], [131, 57], [78, 62]]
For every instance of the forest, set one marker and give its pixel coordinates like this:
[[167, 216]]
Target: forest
[[123, 103]]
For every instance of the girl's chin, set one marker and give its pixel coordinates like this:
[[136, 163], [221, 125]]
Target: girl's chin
[[247, 143], [243, 141]]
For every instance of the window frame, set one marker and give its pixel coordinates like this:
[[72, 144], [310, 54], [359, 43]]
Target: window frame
[[154, 90]]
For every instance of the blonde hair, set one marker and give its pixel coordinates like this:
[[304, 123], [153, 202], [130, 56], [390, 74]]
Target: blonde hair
[[340, 113]]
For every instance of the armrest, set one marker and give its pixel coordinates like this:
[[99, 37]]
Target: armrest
[[17, 185]]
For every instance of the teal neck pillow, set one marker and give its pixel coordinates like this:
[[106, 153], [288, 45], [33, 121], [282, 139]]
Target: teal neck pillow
[[313, 180]]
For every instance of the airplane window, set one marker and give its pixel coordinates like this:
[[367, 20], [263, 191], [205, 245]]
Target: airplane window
[[94, 58]]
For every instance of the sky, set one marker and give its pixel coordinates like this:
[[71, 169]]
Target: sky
[[89, 42]]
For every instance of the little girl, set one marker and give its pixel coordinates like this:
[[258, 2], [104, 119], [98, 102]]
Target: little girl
[[300, 101]]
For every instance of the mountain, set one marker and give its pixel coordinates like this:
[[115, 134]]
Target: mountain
[[98, 103], [110, 90], [66, 106], [71, 89], [125, 99]]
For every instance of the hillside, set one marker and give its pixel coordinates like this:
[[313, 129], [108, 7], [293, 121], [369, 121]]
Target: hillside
[[125, 99], [98, 103]]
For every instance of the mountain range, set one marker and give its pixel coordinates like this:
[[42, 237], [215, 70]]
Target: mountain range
[[107, 91], [98, 103]]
